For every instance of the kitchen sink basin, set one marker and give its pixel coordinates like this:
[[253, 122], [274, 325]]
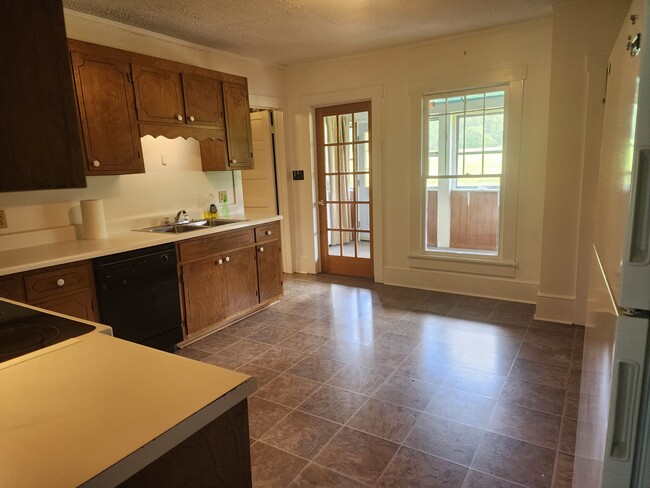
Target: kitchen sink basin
[[189, 226]]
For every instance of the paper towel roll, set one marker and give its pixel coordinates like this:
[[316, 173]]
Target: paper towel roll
[[92, 216]]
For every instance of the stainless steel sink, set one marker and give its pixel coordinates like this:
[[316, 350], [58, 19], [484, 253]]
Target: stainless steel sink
[[189, 226]]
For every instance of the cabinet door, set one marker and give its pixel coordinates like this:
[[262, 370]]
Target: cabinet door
[[214, 153], [240, 282], [158, 95], [77, 305], [238, 126], [269, 270], [203, 292], [40, 143], [203, 100], [108, 119]]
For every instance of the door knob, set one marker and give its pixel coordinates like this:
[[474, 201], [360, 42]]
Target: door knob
[[321, 202]]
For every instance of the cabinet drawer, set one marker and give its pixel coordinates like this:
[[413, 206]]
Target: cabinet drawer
[[12, 287], [267, 232], [58, 281], [198, 248]]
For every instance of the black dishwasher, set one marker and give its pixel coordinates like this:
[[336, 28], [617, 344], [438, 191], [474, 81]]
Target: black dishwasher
[[138, 296]]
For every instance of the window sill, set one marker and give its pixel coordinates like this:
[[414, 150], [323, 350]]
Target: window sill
[[456, 264]]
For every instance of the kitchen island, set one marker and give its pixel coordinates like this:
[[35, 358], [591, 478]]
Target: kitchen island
[[97, 411]]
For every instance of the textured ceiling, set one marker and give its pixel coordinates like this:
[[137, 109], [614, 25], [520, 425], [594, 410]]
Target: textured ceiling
[[295, 31]]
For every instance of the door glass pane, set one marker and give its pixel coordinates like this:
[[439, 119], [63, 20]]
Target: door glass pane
[[347, 187], [363, 245], [330, 160], [362, 187], [329, 125], [348, 244], [348, 220], [332, 187], [333, 219], [363, 216], [362, 157], [361, 129], [345, 128], [334, 243], [345, 159]]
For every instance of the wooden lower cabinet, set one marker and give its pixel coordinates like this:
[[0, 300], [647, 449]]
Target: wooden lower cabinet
[[204, 300], [218, 455], [269, 270], [13, 288], [240, 284], [78, 305], [67, 289], [227, 276]]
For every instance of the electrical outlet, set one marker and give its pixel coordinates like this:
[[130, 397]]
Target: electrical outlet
[[3, 220], [223, 196]]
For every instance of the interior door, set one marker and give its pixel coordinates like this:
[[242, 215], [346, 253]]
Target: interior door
[[343, 139], [259, 185]]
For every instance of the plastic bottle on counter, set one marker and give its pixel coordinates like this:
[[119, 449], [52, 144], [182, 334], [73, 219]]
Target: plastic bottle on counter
[[225, 211]]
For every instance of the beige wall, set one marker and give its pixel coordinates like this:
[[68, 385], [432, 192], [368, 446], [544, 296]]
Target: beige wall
[[582, 32], [173, 179], [385, 77]]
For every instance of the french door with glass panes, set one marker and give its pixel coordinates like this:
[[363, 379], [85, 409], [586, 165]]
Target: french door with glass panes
[[343, 137]]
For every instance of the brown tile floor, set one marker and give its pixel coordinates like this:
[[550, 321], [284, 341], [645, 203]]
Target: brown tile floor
[[362, 384]]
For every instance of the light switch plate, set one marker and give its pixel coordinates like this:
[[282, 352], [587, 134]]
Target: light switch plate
[[223, 196], [3, 220]]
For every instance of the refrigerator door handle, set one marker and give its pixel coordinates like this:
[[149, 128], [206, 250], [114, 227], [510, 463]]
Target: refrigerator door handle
[[624, 387], [639, 247]]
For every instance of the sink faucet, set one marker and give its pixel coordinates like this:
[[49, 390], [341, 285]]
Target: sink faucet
[[181, 217]]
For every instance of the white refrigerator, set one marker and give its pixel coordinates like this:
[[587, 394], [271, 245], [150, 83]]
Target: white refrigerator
[[613, 429]]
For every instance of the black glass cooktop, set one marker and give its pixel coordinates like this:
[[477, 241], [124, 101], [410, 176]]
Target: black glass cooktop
[[23, 330]]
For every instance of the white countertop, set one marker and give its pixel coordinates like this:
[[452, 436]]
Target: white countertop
[[34, 257], [94, 410]]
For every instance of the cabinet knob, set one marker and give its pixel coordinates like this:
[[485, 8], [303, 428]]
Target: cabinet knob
[[227, 258], [219, 261], [233, 161], [268, 233], [178, 117], [191, 118], [60, 282], [261, 248], [96, 163]]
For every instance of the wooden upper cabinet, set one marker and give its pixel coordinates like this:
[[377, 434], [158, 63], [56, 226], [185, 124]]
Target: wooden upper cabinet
[[238, 126], [158, 95], [40, 143], [107, 110], [203, 100]]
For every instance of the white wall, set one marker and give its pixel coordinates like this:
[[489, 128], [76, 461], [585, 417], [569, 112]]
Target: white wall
[[583, 30], [164, 189], [385, 77]]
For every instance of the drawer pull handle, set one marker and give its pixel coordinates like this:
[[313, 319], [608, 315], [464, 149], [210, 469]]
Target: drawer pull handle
[[60, 282], [268, 233], [261, 248]]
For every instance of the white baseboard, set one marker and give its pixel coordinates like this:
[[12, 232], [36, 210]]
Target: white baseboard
[[483, 286], [555, 308]]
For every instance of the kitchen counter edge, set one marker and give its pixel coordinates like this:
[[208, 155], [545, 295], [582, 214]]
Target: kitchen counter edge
[[64, 252]]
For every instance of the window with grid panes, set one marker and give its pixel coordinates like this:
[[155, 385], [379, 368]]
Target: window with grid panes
[[463, 170]]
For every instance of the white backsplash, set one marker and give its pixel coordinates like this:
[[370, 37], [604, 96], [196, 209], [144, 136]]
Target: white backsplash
[[173, 181]]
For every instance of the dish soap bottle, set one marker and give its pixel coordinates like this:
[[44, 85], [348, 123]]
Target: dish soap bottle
[[212, 211], [225, 211]]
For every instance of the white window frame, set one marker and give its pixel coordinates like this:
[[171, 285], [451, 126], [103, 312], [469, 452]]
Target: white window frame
[[504, 262]]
